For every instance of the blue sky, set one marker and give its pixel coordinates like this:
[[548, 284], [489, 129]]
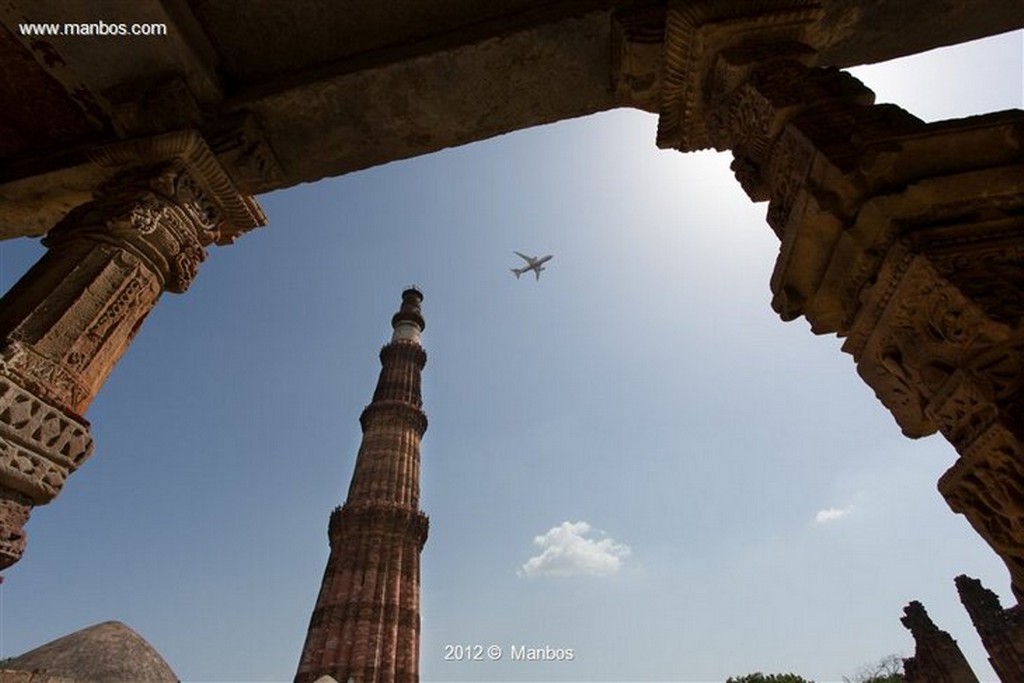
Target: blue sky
[[633, 458]]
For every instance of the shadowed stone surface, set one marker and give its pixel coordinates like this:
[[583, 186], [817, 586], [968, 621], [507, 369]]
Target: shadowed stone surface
[[937, 658], [109, 653], [1001, 630], [291, 92]]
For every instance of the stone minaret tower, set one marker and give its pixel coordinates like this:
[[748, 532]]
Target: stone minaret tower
[[366, 623]]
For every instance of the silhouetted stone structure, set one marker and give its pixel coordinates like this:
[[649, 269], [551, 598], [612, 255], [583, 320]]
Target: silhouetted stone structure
[[937, 658], [366, 623], [105, 653], [1001, 631]]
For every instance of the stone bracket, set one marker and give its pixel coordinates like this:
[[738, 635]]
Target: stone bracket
[[237, 213], [696, 32], [986, 485], [841, 223]]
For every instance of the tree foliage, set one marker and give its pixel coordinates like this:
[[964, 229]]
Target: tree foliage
[[768, 678]]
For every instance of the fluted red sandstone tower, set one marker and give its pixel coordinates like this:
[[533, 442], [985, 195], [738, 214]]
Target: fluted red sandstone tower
[[366, 623]]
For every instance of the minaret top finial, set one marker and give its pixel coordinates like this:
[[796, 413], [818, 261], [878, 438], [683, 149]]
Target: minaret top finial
[[408, 323]]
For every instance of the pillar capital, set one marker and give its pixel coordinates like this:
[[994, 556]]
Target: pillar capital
[[188, 172], [169, 200]]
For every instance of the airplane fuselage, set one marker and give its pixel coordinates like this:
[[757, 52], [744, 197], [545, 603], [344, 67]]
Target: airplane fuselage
[[534, 263]]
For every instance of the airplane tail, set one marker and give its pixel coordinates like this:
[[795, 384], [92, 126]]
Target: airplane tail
[[516, 272]]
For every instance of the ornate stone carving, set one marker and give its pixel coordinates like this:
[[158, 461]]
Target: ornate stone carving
[[917, 342], [740, 121], [891, 342], [696, 32], [14, 512], [992, 276], [963, 410], [144, 216], [986, 485], [789, 163], [40, 445], [197, 179], [155, 216], [76, 314], [134, 293], [47, 377]]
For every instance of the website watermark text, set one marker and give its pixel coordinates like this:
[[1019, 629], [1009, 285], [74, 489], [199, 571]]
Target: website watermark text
[[93, 28]]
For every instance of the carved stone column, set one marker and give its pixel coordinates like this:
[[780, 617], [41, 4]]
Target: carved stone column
[[66, 323], [1001, 631], [905, 237], [937, 658]]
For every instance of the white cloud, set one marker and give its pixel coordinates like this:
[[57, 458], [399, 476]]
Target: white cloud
[[831, 514], [567, 553]]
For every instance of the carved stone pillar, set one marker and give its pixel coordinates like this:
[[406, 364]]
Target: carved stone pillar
[[905, 237], [937, 658], [66, 323], [1001, 631]]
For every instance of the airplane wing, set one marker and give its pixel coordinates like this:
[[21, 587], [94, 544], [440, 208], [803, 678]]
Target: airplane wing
[[536, 271], [522, 256]]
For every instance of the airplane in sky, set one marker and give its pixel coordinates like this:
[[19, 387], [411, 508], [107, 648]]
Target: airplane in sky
[[534, 263]]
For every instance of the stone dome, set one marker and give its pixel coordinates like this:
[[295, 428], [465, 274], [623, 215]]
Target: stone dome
[[109, 652]]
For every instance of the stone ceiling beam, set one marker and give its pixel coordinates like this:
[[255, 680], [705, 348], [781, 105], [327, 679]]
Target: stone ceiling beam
[[298, 92]]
